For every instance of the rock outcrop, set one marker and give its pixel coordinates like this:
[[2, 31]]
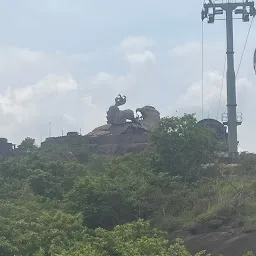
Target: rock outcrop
[[231, 242]]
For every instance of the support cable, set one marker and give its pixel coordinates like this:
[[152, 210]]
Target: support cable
[[240, 62], [202, 67], [222, 85], [247, 37], [202, 60]]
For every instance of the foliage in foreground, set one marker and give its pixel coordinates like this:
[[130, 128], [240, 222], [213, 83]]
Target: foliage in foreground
[[136, 239], [53, 203]]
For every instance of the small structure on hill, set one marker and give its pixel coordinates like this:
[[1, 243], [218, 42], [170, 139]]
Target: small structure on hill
[[219, 130], [6, 149], [73, 134]]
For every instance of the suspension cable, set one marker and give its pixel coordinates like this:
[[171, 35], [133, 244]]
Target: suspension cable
[[222, 85], [202, 60], [223, 76], [245, 44]]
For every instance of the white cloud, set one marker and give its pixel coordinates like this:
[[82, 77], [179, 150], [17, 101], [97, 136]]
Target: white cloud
[[138, 50], [114, 82], [88, 101], [211, 90], [38, 88], [141, 58], [48, 86], [26, 111], [184, 50], [214, 93], [137, 43]]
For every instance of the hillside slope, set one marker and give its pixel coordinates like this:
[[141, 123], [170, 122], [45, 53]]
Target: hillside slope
[[56, 202]]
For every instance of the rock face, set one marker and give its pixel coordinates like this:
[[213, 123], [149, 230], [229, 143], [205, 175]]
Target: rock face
[[122, 134], [228, 243], [102, 144]]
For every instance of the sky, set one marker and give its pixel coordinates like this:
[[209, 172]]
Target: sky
[[63, 62]]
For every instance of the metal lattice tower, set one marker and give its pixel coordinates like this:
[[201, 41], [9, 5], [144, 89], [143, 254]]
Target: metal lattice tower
[[245, 9]]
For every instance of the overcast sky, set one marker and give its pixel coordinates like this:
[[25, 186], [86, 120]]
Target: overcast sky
[[64, 62]]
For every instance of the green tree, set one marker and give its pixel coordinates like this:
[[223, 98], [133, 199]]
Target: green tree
[[183, 146], [27, 145], [137, 239], [101, 201]]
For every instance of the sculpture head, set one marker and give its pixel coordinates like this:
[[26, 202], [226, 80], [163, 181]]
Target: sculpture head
[[120, 100], [148, 111], [150, 117]]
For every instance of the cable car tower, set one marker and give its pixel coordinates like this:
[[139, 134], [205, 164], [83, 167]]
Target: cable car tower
[[245, 9]]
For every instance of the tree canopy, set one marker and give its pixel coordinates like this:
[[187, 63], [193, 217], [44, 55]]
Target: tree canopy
[[183, 145], [55, 204], [27, 145]]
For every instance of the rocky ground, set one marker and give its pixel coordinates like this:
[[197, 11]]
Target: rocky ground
[[228, 243]]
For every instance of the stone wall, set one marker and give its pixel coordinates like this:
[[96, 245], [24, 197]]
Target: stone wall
[[106, 145]]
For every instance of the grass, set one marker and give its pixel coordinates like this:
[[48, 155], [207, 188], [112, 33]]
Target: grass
[[228, 201], [234, 204]]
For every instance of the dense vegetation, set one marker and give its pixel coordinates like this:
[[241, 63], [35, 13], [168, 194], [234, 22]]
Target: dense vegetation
[[57, 202]]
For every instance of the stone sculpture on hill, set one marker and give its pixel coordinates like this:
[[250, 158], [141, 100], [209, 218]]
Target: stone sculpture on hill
[[125, 122], [116, 116]]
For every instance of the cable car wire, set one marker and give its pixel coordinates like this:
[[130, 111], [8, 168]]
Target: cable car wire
[[222, 85], [202, 67], [245, 44], [202, 60], [239, 66]]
